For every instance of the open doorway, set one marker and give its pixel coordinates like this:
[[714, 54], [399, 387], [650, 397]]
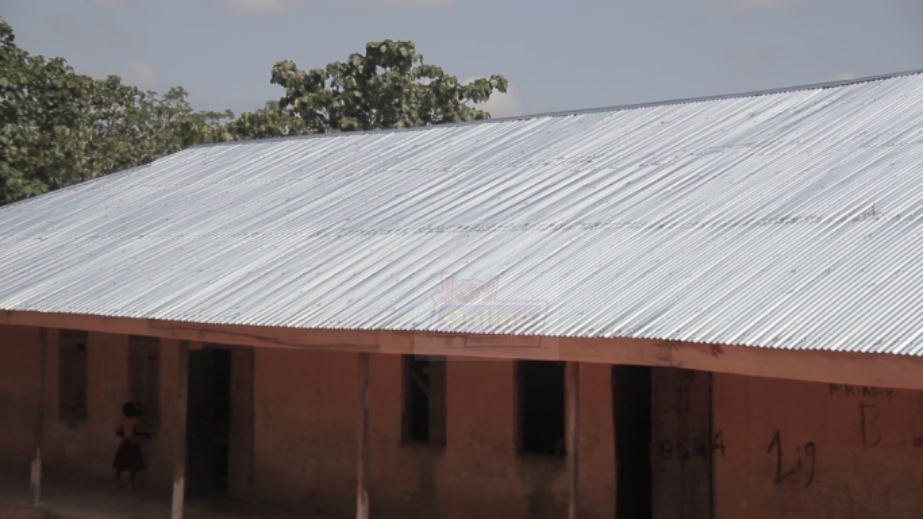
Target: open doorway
[[663, 442], [219, 433]]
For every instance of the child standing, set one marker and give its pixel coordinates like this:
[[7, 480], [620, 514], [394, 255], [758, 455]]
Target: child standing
[[128, 457]]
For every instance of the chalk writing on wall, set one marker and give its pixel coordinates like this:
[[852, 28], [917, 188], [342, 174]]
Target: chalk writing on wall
[[695, 447], [802, 468], [847, 390], [873, 434], [868, 421]]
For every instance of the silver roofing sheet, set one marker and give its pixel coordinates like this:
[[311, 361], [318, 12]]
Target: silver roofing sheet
[[790, 219]]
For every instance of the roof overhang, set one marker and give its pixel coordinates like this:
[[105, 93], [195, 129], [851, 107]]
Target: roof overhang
[[855, 368]]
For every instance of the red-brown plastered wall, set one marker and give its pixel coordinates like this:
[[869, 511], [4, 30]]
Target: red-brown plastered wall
[[802, 449]]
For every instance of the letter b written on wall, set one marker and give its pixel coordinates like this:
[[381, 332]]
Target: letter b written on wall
[[72, 382]]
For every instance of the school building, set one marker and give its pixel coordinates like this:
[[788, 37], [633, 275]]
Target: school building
[[692, 309]]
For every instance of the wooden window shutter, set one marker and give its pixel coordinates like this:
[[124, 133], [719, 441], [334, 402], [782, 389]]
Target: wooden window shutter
[[144, 377], [72, 380], [437, 403]]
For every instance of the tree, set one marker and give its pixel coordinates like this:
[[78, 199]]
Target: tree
[[388, 87], [269, 121], [58, 127]]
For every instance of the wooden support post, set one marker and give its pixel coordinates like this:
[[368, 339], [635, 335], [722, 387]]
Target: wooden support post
[[572, 381], [179, 447], [35, 478], [362, 444]]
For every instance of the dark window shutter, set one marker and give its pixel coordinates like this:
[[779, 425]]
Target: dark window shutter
[[437, 404], [144, 377], [72, 380]]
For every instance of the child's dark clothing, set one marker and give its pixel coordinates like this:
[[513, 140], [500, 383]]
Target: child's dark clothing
[[129, 457]]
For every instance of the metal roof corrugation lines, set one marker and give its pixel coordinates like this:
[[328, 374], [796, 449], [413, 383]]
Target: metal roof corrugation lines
[[789, 219]]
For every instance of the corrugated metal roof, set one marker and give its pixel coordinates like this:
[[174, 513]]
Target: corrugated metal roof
[[787, 219]]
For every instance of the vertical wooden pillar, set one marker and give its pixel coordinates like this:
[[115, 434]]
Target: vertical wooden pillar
[[35, 477], [179, 447], [362, 443], [572, 381]]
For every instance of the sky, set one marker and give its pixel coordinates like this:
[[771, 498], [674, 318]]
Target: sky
[[558, 55]]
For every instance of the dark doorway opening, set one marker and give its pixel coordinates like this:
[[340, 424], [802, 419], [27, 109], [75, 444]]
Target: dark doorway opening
[[424, 412], [631, 397], [418, 400], [664, 445], [541, 407], [208, 422]]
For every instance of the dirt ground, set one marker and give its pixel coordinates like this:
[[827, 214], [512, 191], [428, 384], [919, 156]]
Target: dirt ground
[[70, 497]]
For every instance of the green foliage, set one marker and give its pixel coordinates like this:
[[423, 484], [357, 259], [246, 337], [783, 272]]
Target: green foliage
[[388, 87], [58, 127], [269, 121]]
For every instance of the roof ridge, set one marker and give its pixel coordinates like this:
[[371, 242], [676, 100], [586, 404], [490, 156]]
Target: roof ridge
[[612, 108]]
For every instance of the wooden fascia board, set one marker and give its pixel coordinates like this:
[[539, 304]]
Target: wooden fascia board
[[870, 369]]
